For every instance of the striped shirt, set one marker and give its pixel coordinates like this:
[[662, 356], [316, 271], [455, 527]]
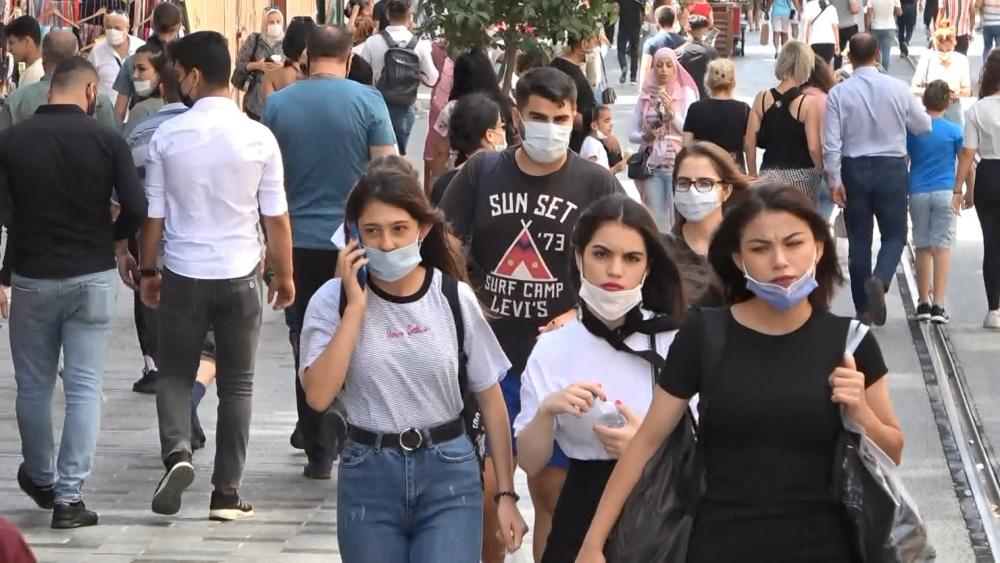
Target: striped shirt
[[404, 367], [960, 12], [991, 13]]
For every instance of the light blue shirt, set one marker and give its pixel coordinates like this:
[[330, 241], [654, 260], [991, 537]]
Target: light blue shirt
[[869, 115]]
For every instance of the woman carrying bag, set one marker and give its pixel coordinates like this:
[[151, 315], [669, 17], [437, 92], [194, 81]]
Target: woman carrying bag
[[589, 383], [772, 404], [261, 52]]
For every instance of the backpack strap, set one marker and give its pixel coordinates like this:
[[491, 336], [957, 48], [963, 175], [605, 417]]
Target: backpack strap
[[412, 45], [491, 160], [449, 288], [389, 41]]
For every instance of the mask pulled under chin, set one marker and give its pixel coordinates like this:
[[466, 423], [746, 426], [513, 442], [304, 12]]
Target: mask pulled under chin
[[610, 306], [779, 297], [546, 143], [393, 265]]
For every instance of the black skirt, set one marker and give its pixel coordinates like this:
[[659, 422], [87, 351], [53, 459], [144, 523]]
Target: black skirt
[[575, 509]]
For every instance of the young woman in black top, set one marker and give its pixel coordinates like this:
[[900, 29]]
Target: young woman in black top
[[720, 119], [476, 125], [775, 397]]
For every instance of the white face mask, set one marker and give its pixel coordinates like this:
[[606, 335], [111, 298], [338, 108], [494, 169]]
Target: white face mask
[[115, 37], [600, 135], [694, 205], [545, 143], [502, 145], [143, 88], [275, 32], [610, 305]]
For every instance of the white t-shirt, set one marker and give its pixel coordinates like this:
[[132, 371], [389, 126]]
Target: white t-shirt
[[572, 354], [593, 147], [404, 367], [981, 131], [929, 69], [823, 20], [883, 13]]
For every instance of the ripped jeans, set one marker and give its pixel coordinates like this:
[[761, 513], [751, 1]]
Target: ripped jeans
[[424, 506]]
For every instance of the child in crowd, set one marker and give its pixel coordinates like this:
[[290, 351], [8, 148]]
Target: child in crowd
[[933, 206], [601, 146]]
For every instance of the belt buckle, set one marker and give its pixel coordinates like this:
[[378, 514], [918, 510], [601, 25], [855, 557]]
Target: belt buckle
[[407, 439]]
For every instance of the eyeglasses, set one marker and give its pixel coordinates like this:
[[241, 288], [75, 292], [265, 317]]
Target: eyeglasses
[[703, 185]]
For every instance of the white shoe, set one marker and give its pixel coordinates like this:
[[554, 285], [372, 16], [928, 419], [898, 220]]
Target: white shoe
[[992, 320]]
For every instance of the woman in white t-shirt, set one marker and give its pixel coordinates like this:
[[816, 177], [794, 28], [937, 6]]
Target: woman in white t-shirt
[[882, 14], [589, 384], [822, 29], [404, 351], [945, 64]]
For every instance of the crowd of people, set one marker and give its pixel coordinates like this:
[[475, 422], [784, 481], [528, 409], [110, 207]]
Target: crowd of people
[[513, 307]]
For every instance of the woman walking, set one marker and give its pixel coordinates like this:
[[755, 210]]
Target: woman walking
[[260, 53], [946, 64]]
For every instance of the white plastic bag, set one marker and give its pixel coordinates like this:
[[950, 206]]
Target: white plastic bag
[[522, 555]]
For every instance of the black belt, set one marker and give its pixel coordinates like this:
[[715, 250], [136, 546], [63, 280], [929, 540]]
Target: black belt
[[408, 440]]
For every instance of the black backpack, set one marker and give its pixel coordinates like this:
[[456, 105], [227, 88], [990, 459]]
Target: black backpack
[[473, 419], [400, 78]]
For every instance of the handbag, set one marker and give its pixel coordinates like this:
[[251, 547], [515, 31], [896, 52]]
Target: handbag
[[251, 76], [608, 95], [765, 30], [637, 165]]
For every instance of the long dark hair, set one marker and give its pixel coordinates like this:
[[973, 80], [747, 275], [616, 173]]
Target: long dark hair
[[661, 293], [158, 59], [393, 181], [474, 115], [989, 78], [724, 166], [474, 73], [772, 197]]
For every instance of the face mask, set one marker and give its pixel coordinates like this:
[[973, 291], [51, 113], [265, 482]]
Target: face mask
[[694, 205], [502, 145], [945, 56], [393, 265], [275, 32], [143, 88], [115, 37], [783, 298], [186, 98], [600, 135], [545, 143], [610, 305]]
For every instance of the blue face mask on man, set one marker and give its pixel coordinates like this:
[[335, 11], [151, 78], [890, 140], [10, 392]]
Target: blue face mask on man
[[780, 297], [393, 265]]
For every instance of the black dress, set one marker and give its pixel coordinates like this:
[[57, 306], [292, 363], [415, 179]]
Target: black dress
[[575, 509]]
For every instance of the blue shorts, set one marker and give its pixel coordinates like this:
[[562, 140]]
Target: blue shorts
[[934, 222], [511, 387]]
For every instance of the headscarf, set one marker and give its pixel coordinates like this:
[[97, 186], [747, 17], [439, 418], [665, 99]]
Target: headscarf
[[678, 87], [263, 26]]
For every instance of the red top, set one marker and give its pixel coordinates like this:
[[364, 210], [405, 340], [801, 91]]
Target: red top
[[701, 9]]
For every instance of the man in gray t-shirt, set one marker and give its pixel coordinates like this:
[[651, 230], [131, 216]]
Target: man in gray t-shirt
[[847, 12]]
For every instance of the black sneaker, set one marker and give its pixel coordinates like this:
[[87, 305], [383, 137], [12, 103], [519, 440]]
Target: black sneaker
[[44, 497], [320, 469], [167, 498], [924, 312], [875, 291], [939, 315], [69, 516], [198, 438], [147, 383], [228, 507], [904, 50]]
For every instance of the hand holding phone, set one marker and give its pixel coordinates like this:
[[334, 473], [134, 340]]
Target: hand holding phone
[[363, 270]]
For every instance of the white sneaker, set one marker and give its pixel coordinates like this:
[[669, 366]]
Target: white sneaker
[[992, 320]]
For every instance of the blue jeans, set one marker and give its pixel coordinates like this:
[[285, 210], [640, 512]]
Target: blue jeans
[[885, 37], [402, 119], [72, 315], [419, 507], [991, 37], [658, 195], [876, 189]]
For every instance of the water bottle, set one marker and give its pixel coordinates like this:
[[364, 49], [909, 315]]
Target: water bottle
[[608, 415]]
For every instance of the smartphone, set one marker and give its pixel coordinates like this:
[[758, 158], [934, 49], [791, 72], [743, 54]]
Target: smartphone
[[363, 272]]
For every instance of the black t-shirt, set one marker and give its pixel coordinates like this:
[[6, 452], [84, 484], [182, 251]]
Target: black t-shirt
[[380, 13], [520, 227], [441, 184], [723, 122], [585, 101], [630, 13], [770, 434], [694, 56], [699, 282]]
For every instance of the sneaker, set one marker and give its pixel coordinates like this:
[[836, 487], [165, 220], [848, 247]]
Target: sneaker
[[198, 438], [44, 497], [147, 383], [320, 469], [875, 291], [70, 516], [924, 312], [167, 498], [939, 315], [633, 81], [229, 507], [622, 79], [992, 320], [904, 50]]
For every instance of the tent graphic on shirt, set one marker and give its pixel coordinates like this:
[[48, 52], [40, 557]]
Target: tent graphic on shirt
[[522, 261]]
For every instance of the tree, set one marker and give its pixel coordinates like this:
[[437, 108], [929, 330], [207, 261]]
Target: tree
[[513, 25]]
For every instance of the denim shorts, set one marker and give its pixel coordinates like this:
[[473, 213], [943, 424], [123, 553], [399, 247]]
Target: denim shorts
[[933, 220], [511, 388]]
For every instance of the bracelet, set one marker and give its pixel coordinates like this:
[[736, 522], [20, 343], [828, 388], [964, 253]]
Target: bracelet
[[511, 494]]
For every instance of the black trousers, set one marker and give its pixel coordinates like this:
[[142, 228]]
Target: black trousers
[[609, 32], [930, 12], [628, 43], [962, 44], [824, 51], [988, 209], [906, 22], [313, 268], [145, 318], [846, 33]]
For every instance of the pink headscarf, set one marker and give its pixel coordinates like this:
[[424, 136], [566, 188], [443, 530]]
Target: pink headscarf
[[651, 87]]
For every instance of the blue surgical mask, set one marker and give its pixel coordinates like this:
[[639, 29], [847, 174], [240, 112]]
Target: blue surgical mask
[[393, 265], [780, 297]]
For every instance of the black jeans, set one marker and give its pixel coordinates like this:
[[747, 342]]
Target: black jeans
[[988, 209], [628, 43], [188, 307], [906, 22], [824, 51], [145, 318], [846, 33], [962, 44], [313, 268], [609, 32], [930, 12]]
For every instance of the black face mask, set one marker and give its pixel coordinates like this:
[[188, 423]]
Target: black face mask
[[185, 97]]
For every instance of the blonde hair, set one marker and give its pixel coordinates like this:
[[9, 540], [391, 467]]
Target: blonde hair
[[720, 76], [944, 32], [795, 62]]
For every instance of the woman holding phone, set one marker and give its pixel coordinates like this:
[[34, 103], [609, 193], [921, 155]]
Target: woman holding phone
[[772, 405], [409, 482]]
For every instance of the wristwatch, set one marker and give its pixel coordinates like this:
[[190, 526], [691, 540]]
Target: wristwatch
[[149, 272]]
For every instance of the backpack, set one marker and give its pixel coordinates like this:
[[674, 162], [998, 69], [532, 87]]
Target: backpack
[[474, 426], [400, 78]]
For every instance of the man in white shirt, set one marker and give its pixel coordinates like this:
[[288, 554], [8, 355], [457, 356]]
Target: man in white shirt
[[211, 174], [409, 63], [108, 56], [24, 39], [881, 17]]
